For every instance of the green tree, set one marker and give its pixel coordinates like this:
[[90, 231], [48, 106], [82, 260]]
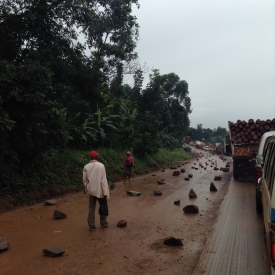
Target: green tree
[[44, 67]]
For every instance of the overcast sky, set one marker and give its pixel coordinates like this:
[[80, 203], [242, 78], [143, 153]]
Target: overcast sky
[[223, 49]]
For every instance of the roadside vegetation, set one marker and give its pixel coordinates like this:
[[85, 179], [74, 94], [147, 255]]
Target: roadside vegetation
[[62, 70], [60, 173]]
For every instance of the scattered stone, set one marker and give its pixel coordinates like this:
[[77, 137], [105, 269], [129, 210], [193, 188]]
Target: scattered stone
[[176, 173], [122, 223], [192, 194], [191, 209], [225, 169], [133, 193], [215, 168], [186, 178], [204, 168], [182, 170], [4, 244], [177, 202], [213, 187], [53, 252], [157, 193], [196, 168], [50, 202], [173, 241], [153, 175], [190, 176], [227, 165], [161, 181], [162, 170], [173, 167], [59, 215], [112, 186], [217, 178]]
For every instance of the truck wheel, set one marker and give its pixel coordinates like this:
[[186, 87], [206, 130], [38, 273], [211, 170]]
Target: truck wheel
[[259, 205], [236, 172]]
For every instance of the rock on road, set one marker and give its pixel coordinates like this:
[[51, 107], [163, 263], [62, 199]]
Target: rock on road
[[138, 248]]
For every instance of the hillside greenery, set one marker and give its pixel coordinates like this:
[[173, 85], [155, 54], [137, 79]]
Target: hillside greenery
[[60, 173], [62, 69]]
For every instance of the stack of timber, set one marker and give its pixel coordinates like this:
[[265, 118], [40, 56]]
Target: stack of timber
[[251, 131]]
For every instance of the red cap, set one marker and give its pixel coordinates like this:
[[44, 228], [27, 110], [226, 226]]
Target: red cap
[[94, 154]]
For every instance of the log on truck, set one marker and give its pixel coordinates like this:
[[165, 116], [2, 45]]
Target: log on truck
[[244, 137]]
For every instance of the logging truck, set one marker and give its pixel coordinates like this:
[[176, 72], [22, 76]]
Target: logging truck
[[244, 141]]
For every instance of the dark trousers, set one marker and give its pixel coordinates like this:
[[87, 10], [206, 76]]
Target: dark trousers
[[91, 215]]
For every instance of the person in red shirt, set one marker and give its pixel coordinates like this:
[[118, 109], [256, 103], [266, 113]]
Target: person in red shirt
[[128, 165]]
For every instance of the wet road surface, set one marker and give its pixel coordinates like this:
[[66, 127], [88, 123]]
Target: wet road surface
[[138, 248], [237, 245]]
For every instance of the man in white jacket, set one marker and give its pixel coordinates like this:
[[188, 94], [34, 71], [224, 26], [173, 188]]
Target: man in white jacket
[[96, 185]]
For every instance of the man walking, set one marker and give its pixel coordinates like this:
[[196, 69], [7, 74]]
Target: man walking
[[96, 185], [128, 165]]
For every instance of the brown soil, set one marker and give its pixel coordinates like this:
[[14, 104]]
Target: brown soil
[[135, 249]]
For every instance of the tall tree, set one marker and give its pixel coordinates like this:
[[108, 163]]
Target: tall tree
[[48, 81]]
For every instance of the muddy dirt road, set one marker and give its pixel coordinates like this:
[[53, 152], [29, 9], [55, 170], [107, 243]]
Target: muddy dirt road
[[135, 249]]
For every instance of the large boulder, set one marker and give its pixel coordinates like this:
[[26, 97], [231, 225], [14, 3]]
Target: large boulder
[[176, 173], [50, 202], [161, 181], [133, 193], [173, 241], [53, 252], [157, 193], [59, 215], [177, 202], [192, 194], [122, 223], [191, 209], [213, 187], [4, 244]]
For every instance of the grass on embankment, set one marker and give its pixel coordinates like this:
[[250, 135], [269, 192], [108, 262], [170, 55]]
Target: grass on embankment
[[69, 164], [61, 172]]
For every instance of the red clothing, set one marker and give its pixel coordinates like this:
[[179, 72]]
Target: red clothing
[[129, 161]]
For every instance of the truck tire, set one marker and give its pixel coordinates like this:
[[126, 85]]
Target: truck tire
[[259, 205]]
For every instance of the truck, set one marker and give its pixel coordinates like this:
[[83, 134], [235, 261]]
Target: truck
[[199, 144], [244, 138]]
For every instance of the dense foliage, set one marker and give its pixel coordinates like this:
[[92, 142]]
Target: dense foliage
[[207, 135], [61, 76]]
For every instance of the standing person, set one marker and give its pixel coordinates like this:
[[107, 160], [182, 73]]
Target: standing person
[[128, 165], [96, 185]]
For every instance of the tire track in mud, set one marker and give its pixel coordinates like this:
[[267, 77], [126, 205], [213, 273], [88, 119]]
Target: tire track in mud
[[237, 245]]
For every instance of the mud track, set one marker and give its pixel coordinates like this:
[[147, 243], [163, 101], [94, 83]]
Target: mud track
[[135, 249]]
